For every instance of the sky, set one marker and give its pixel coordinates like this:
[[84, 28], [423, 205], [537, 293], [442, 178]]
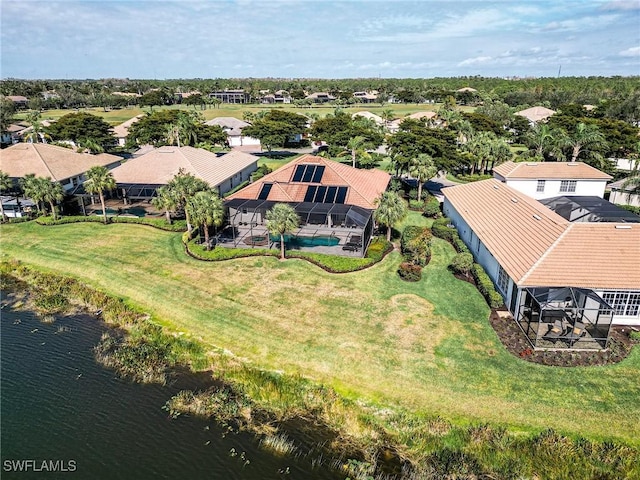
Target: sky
[[152, 39]]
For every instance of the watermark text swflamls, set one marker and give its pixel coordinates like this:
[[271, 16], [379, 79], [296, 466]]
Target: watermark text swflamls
[[30, 465]]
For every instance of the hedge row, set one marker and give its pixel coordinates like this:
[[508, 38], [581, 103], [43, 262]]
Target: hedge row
[[415, 244], [177, 226], [485, 286], [441, 229]]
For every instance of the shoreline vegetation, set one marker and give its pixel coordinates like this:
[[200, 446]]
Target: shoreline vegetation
[[363, 441]]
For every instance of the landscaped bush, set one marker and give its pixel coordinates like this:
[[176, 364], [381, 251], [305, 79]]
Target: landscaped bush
[[47, 220], [415, 244], [410, 272], [441, 229], [19, 219], [237, 187], [631, 209], [161, 223], [462, 263], [485, 286], [476, 177], [635, 336], [416, 204], [459, 245], [431, 207], [378, 248]]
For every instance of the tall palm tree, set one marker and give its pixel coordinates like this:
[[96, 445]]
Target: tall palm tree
[[281, 219], [5, 184], [387, 115], [585, 141], [356, 148], [89, 145], [165, 200], [32, 189], [99, 180], [422, 169], [183, 186], [36, 134], [52, 192], [206, 209], [391, 209]]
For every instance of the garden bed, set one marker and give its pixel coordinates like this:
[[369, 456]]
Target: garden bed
[[516, 343]]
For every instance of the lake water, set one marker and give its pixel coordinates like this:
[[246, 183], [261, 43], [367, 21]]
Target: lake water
[[58, 404]]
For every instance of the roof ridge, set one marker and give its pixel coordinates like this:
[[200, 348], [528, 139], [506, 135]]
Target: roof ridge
[[44, 161], [545, 254]]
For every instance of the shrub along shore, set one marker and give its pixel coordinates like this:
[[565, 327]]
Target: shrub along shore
[[366, 441]]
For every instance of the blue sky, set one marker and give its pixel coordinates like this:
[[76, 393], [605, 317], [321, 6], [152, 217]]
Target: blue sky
[[322, 38]]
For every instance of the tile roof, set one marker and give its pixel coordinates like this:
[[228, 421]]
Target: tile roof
[[231, 125], [419, 115], [160, 165], [46, 160], [535, 114], [537, 247], [371, 116], [121, 131], [549, 170], [365, 186]]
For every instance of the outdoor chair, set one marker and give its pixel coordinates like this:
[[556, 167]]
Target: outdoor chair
[[556, 331], [575, 332]]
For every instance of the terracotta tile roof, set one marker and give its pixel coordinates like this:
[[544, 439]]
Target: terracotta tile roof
[[537, 247], [160, 165], [535, 114], [419, 115], [516, 233], [365, 186], [592, 255], [549, 170], [231, 125], [46, 160]]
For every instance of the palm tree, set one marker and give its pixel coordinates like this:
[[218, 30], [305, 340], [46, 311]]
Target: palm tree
[[183, 186], [387, 115], [281, 219], [165, 200], [391, 209], [206, 209], [357, 148], [52, 192], [36, 134], [32, 189], [585, 140], [173, 134], [422, 169], [5, 184], [98, 180], [89, 145]]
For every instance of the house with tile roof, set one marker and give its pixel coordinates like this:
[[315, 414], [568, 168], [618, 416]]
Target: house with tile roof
[[121, 131], [140, 177], [233, 128], [61, 164], [553, 274], [334, 202], [550, 179], [536, 114]]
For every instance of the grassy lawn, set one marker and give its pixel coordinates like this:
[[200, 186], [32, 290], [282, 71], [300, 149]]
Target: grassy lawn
[[116, 117], [426, 346]]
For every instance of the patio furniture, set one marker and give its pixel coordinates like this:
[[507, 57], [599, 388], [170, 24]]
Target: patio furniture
[[575, 332], [556, 331]]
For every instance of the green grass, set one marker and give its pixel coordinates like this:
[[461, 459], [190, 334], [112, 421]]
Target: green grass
[[426, 347]]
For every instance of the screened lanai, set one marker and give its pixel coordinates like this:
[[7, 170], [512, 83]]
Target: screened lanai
[[565, 318], [345, 229]]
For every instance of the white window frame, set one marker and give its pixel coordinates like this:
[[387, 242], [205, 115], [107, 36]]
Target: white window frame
[[540, 186], [624, 303], [502, 280], [568, 186]]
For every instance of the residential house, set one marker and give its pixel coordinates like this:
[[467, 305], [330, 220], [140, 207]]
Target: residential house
[[320, 97], [121, 131], [61, 164], [140, 177], [431, 117], [233, 128], [565, 283], [370, 116], [622, 194], [536, 114], [232, 96], [334, 203], [14, 133], [551, 179], [19, 101], [365, 97], [280, 96]]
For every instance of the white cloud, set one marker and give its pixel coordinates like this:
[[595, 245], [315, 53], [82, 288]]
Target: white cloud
[[630, 52], [475, 61]]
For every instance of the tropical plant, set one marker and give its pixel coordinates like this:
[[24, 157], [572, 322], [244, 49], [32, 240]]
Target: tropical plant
[[98, 180], [390, 209], [36, 134], [165, 200], [32, 189], [5, 184], [357, 149], [281, 219], [206, 209], [422, 169], [585, 142], [182, 187], [52, 193]]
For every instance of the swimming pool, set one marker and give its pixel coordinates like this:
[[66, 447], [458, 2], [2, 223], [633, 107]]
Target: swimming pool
[[293, 241]]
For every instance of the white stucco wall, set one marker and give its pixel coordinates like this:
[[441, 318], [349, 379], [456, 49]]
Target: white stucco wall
[[235, 180], [240, 141], [624, 198], [591, 188]]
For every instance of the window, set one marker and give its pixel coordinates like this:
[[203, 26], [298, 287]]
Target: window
[[503, 279], [568, 186], [624, 303], [540, 186]]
